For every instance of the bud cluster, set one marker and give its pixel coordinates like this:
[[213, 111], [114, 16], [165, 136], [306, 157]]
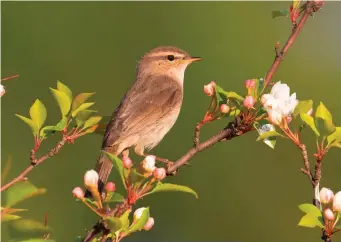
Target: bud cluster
[[332, 206]]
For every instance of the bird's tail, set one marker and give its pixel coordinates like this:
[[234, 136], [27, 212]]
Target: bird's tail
[[103, 168]]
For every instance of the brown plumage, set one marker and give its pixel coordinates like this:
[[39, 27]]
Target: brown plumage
[[149, 109]]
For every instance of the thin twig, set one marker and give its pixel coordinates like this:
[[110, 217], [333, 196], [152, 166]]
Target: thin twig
[[36, 162], [295, 31], [9, 78], [306, 170]]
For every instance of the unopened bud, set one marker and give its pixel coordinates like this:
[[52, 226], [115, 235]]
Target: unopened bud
[[159, 173], [250, 84], [224, 108], [127, 162], [91, 179], [148, 164], [149, 224], [110, 187], [2, 90], [326, 195], [209, 89], [249, 102], [78, 192], [328, 214], [138, 213], [337, 202]]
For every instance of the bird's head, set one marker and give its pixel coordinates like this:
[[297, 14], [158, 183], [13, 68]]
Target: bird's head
[[166, 60]]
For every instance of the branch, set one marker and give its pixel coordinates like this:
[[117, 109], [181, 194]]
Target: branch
[[295, 31], [306, 170], [237, 127], [234, 129], [228, 133], [35, 162]]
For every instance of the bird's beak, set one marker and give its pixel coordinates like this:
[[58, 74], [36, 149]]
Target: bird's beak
[[191, 59]]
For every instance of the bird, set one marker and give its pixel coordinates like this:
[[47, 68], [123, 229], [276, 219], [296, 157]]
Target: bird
[[149, 109]]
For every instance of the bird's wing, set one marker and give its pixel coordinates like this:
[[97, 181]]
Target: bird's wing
[[144, 104]]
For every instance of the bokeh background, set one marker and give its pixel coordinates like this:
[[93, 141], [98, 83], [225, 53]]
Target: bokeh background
[[247, 192]]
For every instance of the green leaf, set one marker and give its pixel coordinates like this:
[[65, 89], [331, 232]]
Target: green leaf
[[168, 187], [312, 218], [81, 108], [50, 129], [22, 191], [9, 217], [324, 120], [139, 224], [61, 124], [310, 122], [27, 225], [114, 224], [91, 129], [310, 221], [310, 208], [221, 95], [30, 123], [337, 145], [260, 84], [234, 113], [80, 99], [63, 100], [335, 137], [82, 116], [136, 178], [280, 13], [125, 219], [115, 198], [269, 134], [235, 96], [63, 88], [13, 210], [38, 113], [303, 107], [118, 164], [92, 121]]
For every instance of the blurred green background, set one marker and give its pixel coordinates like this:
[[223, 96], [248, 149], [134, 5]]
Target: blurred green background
[[247, 192]]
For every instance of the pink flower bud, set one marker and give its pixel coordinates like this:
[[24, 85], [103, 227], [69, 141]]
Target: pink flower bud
[[148, 164], [127, 162], [110, 187], [249, 102], [250, 84], [337, 202], [2, 90], [138, 213], [78, 192], [326, 195], [149, 224], [328, 214], [224, 108], [91, 179], [209, 89], [160, 173]]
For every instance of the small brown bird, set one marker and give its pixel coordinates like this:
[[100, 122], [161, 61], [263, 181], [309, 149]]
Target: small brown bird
[[150, 107]]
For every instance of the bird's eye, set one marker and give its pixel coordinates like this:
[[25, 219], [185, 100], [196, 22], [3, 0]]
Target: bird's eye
[[170, 57]]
